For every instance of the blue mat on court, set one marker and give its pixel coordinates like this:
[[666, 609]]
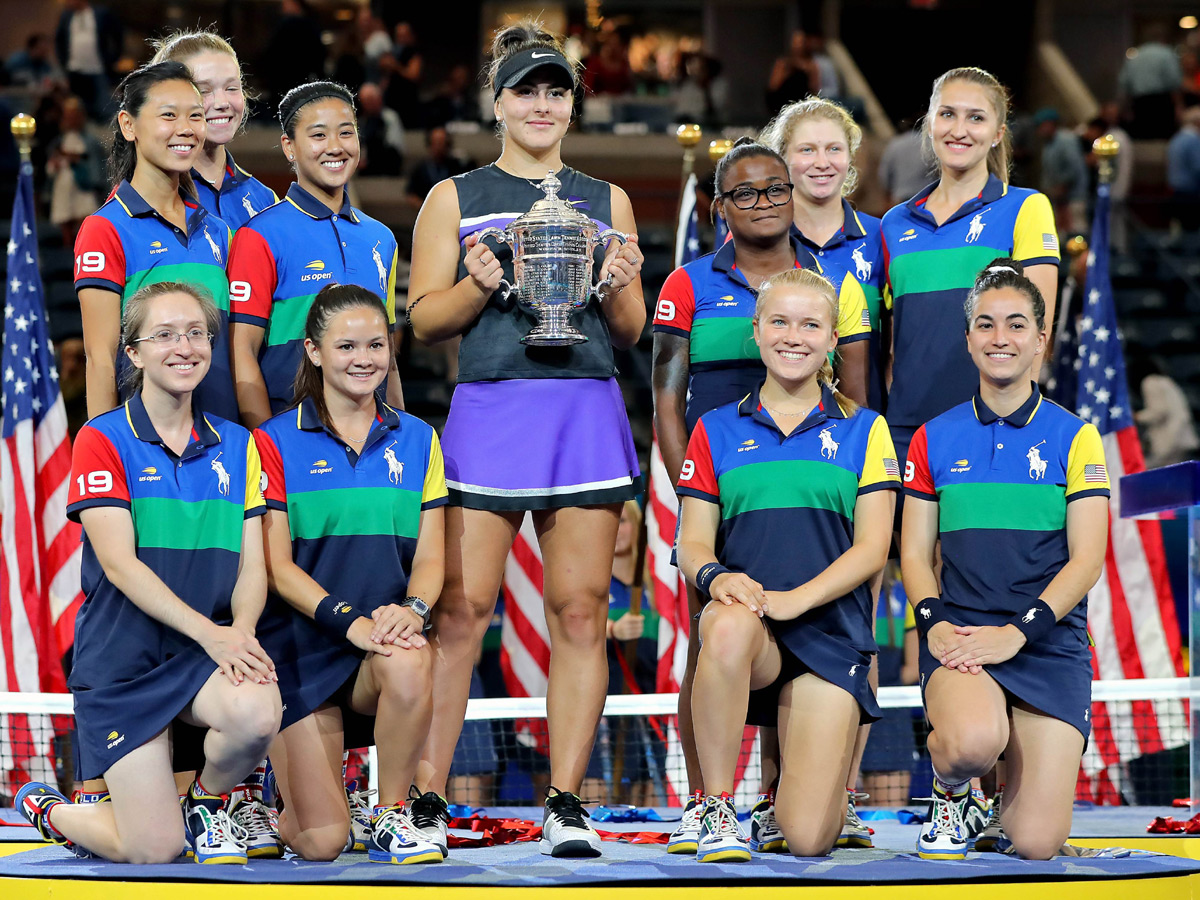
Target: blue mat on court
[[892, 862]]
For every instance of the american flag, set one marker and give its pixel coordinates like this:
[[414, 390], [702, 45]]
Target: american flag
[[1131, 614], [524, 637], [40, 553]]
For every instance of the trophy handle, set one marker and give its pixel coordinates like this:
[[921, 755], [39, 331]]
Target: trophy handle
[[506, 290], [603, 237]]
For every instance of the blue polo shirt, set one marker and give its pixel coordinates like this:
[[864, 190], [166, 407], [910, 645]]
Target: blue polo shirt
[[931, 268], [240, 197], [856, 252], [284, 256], [787, 507], [126, 245], [1002, 485], [709, 302], [354, 519]]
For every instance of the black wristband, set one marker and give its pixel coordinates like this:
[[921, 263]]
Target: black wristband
[[706, 574], [1036, 622], [928, 613], [335, 615]]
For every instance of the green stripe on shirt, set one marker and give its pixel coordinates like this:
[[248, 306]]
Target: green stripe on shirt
[[169, 524], [930, 271], [354, 511], [1007, 507], [788, 484]]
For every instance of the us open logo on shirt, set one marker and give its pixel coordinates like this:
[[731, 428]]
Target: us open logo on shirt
[[150, 473], [114, 738], [157, 247], [960, 466], [727, 300], [316, 271], [750, 444], [320, 467], [909, 235]]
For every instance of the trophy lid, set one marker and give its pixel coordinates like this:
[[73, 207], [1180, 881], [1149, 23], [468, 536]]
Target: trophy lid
[[550, 210]]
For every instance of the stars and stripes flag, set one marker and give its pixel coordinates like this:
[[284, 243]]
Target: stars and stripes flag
[[1131, 614], [40, 552], [524, 637]]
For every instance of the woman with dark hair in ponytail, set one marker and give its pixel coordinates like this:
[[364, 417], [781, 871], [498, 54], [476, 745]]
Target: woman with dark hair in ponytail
[[312, 238], [354, 490], [151, 229], [531, 429], [1016, 490]]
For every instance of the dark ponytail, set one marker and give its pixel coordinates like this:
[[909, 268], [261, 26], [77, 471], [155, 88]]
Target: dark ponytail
[[330, 300], [302, 95], [1003, 272], [131, 96]]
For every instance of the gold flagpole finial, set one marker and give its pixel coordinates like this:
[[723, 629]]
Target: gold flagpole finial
[[719, 148], [23, 129]]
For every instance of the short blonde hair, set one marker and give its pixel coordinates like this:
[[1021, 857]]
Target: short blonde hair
[[778, 133]]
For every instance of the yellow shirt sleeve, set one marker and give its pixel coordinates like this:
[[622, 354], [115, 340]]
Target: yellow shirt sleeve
[[254, 495], [390, 300], [880, 467], [434, 492], [910, 619], [1087, 474], [1035, 236], [853, 318]]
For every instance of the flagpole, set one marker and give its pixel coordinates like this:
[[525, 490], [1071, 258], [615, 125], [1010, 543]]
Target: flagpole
[[23, 129]]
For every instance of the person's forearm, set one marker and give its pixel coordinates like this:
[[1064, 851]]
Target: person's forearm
[[254, 403], [426, 580], [441, 315], [626, 315], [1071, 584], [853, 568], [249, 596], [918, 575], [101, 386], [852, 371], [296, 586], [395, 391], [147, 592]]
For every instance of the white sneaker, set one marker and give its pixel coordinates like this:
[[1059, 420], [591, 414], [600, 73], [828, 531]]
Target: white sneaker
[[260, 823], [855, 832], [395, 840], [212, 835], [565, 827], [721, 838], [360, 817], [684, 838], [993, 839], [945, 835], [431, 816], [765, 834]]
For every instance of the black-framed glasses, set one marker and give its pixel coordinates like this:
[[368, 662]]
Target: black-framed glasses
[[167, 336], [747, 197]]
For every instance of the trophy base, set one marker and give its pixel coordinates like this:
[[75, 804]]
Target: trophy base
[[553, 337]]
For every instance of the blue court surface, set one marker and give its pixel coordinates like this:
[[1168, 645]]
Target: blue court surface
[[522, 865]]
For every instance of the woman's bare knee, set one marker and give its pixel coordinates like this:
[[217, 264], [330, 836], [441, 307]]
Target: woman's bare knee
[[405, 676], [153, 848], [321, 844], [579, 619], [729, 633], [972, 746]]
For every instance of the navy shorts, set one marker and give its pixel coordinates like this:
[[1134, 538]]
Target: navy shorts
[[852, 678]]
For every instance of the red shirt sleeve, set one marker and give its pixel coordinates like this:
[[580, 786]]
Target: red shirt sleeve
[[918, 480], [252, 278], [99, 256], [676, 305], [273, 487], [97, 474], [697, 476]]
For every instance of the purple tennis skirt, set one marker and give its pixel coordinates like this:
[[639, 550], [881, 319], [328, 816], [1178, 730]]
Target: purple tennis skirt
[[539, 443]]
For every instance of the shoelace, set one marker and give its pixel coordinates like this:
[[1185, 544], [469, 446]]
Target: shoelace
[[726, 819], [568, 810], [358, 802], [396, 822], [692, 816], [851, 812], [223, 830], [948, 816], [994, 816], [254, 817], [426, 813]]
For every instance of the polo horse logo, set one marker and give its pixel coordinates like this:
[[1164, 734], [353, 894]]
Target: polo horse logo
[[1037, 465], [249, 208], [222, 476], [1029, 616], [829, 447], [862, 265], [216, 251], [395, 467], [976, 228], [383, 275]]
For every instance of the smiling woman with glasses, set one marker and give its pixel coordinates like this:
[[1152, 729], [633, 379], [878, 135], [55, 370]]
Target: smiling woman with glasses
[[167, 336], [705, 357]]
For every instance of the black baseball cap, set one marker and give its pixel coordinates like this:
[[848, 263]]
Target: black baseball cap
[[517, 68]]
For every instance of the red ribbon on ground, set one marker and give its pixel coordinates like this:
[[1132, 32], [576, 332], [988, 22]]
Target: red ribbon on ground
[[1170, 825], [494, 832]]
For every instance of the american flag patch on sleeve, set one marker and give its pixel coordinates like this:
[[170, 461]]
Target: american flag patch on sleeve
[[1049, 241], [891, 467], [1095, 473], [866, 319]]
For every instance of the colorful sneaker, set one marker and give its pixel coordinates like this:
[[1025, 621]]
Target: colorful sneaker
[[430, 815], [35, 800], [765, 834], [361, 813], [992, 838], [944, 836], [976, 813], [855, 832], [721, 839], [684, 838], [261, 824], [394, 839], [213, 837], [565, 827]]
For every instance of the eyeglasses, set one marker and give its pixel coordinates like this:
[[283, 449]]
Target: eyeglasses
[[166, 336], [747, 197]]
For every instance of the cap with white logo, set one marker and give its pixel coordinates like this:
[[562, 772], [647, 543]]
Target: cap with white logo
[[518, 67]]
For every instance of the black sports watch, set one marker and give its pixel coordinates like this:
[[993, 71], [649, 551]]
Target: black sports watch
[[420, 607]]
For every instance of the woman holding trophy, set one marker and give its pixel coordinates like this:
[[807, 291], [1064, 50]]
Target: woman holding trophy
[[537, 422]]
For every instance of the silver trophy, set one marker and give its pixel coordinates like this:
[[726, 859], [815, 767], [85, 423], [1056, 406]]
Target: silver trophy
[[552, 248]]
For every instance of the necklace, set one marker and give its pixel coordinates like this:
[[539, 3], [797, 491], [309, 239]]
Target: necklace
[[786, 415]]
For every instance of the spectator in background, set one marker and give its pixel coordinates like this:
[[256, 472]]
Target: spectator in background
[[607, 68], [1167, 428], [403, 68], [703, 94], [88, 42], [380, 134], [1064, 172], [1189, 64], [375, 42], [1150, 85], [75, 171], [1183, 170], [903, 168], [440, 163], [295, 53], [1106, 123], [34, 65], [72, 363], [829, 84], [794, 76], [457, 99]]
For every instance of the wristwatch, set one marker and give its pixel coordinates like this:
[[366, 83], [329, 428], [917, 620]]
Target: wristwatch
[[420, 607]]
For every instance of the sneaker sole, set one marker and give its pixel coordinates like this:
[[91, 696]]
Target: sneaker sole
[[423, 856], [229, 859], [728, 854], [855, 843], [944, 854], [779, 845], [688, 847], [264, 852], [578, 849]]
